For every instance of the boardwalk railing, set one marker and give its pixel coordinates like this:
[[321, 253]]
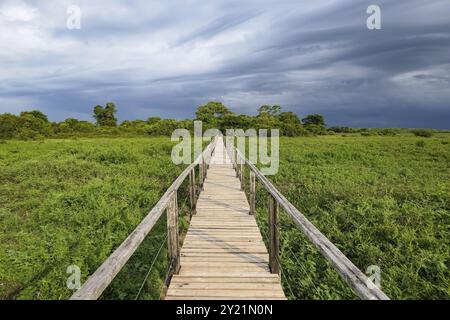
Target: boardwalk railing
[[350, 273], [100, 280]]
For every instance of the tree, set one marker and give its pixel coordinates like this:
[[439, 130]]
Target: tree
[[163, 128], [273, 111], [289, 117], [212, 112], [35, 113], [153, 120], [314, 119], [8, 125], [33, 124], [105, 117]]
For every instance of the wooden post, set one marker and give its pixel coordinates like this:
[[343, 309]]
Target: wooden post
[[192, 192], [241, 173], [252, 193], [237, 166], [200, 174], [173, 234], [205, 168], [274, 240]]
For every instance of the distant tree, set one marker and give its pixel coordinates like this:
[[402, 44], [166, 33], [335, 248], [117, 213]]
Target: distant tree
[[339, 129], [73, 126], [153, 120], [212, 112], [8, 125], [164, 127], [289, 117], [291, 125], [425, 133], [314, 119], [266, 121], [35, 113], [105, 117], [33, 124], [273, 111]]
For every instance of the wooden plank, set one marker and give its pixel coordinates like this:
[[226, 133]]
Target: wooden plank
[[216, 298], [248, 250], [251, 294], [270, 286], [255, 279]]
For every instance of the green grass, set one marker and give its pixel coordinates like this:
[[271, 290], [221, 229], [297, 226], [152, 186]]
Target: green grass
[[381, 200], [65, 202]]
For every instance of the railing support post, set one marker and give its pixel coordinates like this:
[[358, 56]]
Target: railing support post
[[173, 234], [192, 192], [274, 240], [205, 167], [241, 173], [252, 193], [200, 174]]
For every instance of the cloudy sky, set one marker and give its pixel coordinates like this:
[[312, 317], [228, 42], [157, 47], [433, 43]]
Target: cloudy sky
[[164, 58]]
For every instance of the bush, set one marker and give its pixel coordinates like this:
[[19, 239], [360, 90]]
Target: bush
[[388, 132], [420, 144], [8, 125], [293, 130], [338, 129], [425, 133]]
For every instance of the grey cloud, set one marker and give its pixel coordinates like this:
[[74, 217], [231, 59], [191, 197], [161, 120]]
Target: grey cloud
[[313, 57]]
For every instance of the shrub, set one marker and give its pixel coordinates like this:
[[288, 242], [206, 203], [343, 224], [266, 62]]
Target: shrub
[[388, 132], [425, 133], [420, 144]]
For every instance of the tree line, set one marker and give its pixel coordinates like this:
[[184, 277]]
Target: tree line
[[35, 124]]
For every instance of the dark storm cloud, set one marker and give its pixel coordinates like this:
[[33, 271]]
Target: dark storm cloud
[[156, 58]]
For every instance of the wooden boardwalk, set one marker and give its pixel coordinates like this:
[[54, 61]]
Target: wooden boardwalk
[[223, 256]]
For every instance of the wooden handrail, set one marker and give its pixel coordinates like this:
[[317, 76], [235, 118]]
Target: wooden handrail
[[103, 276], [354, 277]]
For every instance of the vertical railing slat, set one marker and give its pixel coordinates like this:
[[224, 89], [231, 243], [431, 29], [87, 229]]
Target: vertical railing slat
[[173, 235], [274, 240], [252, 193]]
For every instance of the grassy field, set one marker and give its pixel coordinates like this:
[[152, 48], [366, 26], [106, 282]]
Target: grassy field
[[382, 200], [65, 202]]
